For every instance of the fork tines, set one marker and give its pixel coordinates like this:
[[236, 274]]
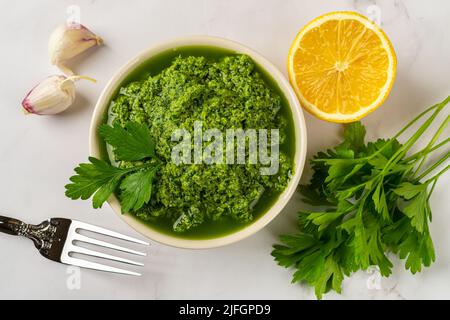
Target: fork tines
[[74, 237]]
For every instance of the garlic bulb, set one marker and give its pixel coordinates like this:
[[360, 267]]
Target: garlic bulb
[[68, 41], [51, 96]]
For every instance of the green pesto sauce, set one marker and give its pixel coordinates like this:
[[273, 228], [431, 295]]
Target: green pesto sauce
[[151, 82]]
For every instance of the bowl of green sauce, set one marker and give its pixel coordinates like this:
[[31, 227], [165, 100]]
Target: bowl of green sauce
[[200, 97]]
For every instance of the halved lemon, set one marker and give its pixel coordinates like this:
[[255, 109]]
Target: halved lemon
[[342, 66]]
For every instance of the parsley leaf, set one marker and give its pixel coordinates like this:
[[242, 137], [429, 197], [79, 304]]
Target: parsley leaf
[[418, 209], [99, 179], [136, 189], [380, 202], [131, 143], [96, 177], [418, 250], [408, 190], [354, 134], [372, 200]]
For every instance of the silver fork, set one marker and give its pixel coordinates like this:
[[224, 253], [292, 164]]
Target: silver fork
[[57, 238]]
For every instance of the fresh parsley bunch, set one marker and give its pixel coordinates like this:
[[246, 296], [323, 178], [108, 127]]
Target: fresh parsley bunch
[[374, 198], [133, 184]]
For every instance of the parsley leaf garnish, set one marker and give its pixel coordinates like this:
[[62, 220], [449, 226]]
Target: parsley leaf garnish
[[373, 198], [99, 179], [136, 189], [131, 143]]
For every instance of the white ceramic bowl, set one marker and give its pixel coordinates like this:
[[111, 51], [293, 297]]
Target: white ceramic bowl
[[300, 139]]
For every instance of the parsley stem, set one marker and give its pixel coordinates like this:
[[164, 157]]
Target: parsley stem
[[402, 151], [434, 166], [419, 116], [415, 137], [410, 142], [432, 142], [440, 173], [432, 189], [438, 106], [421, 152]]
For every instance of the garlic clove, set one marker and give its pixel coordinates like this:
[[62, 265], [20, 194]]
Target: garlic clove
[[68, 41], [51, 96]]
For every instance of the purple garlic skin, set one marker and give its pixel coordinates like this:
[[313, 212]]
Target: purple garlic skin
[[51, 96], [68, 41]]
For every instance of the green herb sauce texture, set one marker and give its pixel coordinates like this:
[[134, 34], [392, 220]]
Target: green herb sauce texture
[[223, 93]]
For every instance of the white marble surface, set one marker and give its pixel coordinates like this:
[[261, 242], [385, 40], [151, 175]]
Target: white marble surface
[[37, 154]]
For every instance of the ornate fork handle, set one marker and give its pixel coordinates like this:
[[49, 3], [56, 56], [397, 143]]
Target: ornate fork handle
[[42, 234]]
